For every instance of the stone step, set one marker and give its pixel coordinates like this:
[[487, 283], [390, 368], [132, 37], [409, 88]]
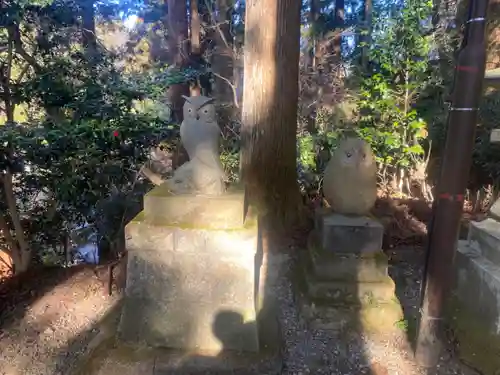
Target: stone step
[[345, 267], [348, 234], [349, 293], [485, 235], [375, 318]]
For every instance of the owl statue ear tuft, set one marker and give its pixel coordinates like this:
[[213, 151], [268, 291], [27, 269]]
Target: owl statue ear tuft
[[186, 98]]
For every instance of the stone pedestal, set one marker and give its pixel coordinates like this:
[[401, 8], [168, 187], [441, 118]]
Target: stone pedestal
[[345, 281], [474, 309], [191, 280]]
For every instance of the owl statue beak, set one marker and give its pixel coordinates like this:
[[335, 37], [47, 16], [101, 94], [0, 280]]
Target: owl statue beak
[[197, 117]]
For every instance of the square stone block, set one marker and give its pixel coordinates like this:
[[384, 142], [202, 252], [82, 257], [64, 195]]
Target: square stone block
[[486, 234], [349, 234], [190, 288], [193, 211]]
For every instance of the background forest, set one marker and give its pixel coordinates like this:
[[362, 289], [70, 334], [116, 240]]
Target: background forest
[[90, 104]]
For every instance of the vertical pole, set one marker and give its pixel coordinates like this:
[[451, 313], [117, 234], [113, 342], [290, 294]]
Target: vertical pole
[[444, 229]]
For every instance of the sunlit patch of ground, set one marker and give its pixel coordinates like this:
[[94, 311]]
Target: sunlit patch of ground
[[47, 336]]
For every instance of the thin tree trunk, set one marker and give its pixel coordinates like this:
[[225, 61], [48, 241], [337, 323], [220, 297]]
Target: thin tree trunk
[[339, 25], [195, 28], [365, 38], [195, 35], [222, 58], [272, 32], [178, 45], [89, 39], [313, 22], [21, 255]]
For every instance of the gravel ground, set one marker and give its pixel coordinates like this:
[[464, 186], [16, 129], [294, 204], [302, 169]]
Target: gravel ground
[[57, 327], [324, 352]]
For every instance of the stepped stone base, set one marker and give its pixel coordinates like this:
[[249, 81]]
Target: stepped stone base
[[474, 309], [375, 318], [350, 293], [370, 267], [345, 283]]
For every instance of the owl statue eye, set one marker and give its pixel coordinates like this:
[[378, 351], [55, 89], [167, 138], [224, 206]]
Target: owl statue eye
[[190, 110], [205, 110], [348, 154]]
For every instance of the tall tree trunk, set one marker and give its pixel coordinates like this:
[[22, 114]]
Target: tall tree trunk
[[365, 38], [339, 25], [268, 161], [315, 8], [195, 38], [195, 28], [89, 39], [222, 58], [178, 46]]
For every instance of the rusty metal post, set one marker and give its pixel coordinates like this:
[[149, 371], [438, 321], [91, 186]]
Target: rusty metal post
[[444, 229]]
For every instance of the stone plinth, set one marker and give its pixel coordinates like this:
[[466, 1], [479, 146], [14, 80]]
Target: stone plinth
[[348, 234], [474, 309], [363, 267], [187, 210], [191, 287]]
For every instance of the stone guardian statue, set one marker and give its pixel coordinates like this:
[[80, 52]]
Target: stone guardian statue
[[203, 174], [350, 178]]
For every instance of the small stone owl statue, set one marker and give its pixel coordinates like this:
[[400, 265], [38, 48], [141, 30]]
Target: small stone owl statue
[[200, 135], [350, 178]]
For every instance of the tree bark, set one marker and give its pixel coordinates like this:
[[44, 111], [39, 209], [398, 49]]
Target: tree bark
[[20, 250], [195, 28], [269, 156], [339, 25], [89, 39], [365, 38], [315, 8], [178, 46]]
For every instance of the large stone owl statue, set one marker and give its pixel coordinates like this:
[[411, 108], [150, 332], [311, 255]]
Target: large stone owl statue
[[200, 135], [350, 178]]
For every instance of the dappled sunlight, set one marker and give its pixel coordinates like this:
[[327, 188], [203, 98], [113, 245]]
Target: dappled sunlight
[[33, 343]]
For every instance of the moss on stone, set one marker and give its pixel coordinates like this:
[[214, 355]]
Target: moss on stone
[[478, 346], [251, 222], [380, 317]]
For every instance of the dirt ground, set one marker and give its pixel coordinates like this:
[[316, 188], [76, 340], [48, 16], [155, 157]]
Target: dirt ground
[[48, 316]]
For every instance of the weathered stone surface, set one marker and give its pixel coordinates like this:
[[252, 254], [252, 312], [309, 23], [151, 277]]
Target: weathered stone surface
[[350, 178], [474, 309], [349, 234], [190, 288], [374, 318], [347, 267], [187, 210], [495, 210], [487, 235], [350, 293]]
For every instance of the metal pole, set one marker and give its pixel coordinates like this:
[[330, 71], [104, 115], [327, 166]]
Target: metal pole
[[444, 228]]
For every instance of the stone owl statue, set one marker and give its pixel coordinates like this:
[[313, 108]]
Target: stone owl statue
[[200, 135], [350, 178]]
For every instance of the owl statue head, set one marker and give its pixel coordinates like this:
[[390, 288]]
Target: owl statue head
[[199, 108], [353, 152]]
